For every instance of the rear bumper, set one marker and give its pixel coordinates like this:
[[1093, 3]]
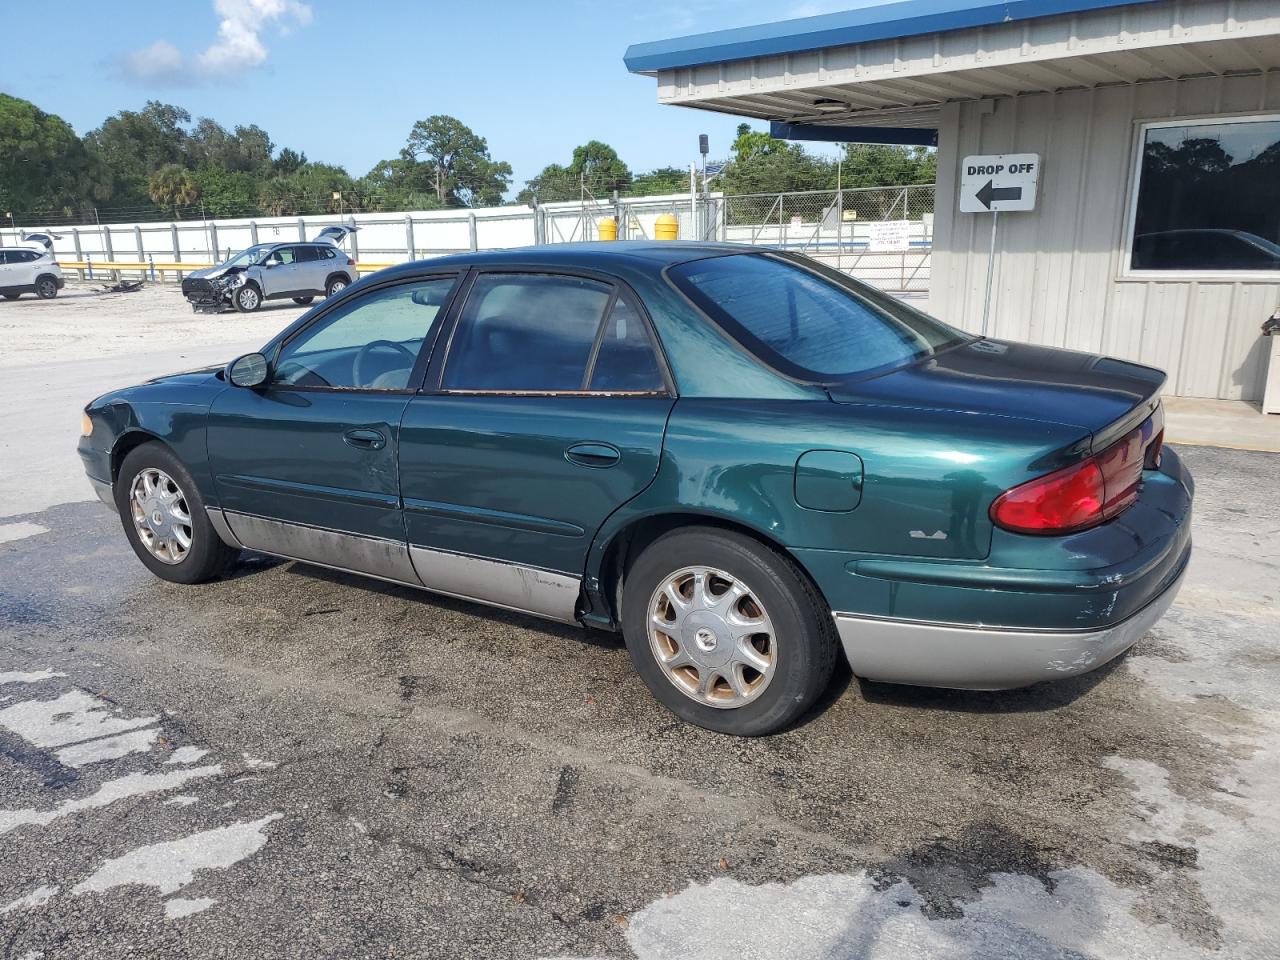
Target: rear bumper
[[989, 658]]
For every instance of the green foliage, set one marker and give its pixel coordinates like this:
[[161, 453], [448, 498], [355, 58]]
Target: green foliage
[[172, 187], [44, 165], [455, 162], [662, 180], [155, 162]]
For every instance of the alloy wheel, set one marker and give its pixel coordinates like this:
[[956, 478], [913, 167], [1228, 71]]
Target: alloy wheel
[[160, 514], [712, 637]]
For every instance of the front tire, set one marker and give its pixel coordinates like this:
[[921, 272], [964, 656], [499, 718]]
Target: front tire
[[46, 288], [727, 633], [247, 298], [12, 296], [164, 518]]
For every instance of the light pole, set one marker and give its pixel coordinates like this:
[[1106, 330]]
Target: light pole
[[12, 227]]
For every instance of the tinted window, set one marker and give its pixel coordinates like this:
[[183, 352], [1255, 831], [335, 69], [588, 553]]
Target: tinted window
[[4, 256], [525, 332], [328, 253], [23, 256], [369, 343], [1209, 197], [626, 360], [806, 320], [307, 254]]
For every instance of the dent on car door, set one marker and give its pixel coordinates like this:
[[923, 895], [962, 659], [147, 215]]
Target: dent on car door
[[549, 415], [306, 466]]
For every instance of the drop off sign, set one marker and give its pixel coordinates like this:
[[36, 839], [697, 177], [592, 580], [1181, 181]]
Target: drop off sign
[[999, 182]]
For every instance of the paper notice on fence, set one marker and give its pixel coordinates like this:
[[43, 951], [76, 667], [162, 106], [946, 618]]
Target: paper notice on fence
[[889, 235]]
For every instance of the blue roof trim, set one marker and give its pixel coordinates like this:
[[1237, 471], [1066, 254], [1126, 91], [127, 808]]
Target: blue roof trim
[[884, 22], [829, 133]]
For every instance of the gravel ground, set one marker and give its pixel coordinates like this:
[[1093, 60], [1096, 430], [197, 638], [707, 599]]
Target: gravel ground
[[82, 323], [296, 763]]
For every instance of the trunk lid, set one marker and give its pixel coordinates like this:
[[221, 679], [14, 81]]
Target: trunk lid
[[1102, 396]]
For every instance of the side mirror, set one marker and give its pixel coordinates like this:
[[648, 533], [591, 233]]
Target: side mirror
[[251, 370]]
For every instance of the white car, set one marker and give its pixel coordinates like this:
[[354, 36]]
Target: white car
[[30, 268]]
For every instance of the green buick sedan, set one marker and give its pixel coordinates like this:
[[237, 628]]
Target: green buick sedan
[[743, 460]]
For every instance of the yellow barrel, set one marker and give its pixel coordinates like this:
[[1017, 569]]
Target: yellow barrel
[[666, 227], [607, 229]]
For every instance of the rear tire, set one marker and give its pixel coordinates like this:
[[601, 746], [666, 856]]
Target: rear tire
[[153, 485], [302, 301], [46, 288], [749, 651], [335, 286], [247, 298]]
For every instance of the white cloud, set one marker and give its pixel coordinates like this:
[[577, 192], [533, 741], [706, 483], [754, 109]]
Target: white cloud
[[238, 47]]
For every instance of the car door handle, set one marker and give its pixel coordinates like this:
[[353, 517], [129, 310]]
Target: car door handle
[[364, 439], [593, 454]]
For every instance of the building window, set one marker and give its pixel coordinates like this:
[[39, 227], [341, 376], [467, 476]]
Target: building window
[[1208, 196]]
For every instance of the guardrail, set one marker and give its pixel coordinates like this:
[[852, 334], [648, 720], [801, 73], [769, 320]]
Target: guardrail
[[159, 269]]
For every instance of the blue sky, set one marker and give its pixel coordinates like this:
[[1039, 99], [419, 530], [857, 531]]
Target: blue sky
[[344, 81]]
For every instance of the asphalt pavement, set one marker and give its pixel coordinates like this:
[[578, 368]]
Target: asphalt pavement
[[292, 762]]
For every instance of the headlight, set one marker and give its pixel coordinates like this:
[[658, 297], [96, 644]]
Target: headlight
[[86, 425]]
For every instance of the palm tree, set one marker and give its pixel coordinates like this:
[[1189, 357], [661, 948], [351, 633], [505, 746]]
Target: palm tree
[[174, 187]]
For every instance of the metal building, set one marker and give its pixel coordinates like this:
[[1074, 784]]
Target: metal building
[[1155, 234]]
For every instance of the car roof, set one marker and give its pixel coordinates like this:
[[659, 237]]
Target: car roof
[[655, 254]]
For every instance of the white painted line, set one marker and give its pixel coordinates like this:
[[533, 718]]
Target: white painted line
[[171, 865], [134, 785], [187, 755], [33, 677], [253, 763], [182, 800], [175, 908], [20, 531], [71, 718], [36, 898], [109, 748]]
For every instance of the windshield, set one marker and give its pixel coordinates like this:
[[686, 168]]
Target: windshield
[[250, 256], [806, 320]]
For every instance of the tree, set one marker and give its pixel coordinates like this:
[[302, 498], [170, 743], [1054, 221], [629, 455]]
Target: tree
[[133, 146], [881, 165], [661, 180], [173, 187], [288, 161], [595, 169], [43, 164], [227, 193], [462, 173], [599, 167], [761, 164]]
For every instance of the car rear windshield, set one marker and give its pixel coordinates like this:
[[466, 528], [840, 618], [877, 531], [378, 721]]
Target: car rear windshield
[[808, 321]]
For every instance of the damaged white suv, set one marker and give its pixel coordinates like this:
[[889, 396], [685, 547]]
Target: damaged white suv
[[274, 271]]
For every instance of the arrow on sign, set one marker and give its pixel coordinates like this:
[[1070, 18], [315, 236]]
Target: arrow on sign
[[991, 192]]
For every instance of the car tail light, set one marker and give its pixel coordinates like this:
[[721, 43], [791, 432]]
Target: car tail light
[[1084, 494], [350, 262]]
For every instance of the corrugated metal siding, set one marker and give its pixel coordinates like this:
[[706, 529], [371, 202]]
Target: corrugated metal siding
[[1057, 268]]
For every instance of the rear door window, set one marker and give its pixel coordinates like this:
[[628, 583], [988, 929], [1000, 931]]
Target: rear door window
[[626, 361], [525, 333], [307, 254]]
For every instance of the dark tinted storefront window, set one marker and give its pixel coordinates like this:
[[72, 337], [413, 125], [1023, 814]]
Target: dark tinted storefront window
[[1209, 197]]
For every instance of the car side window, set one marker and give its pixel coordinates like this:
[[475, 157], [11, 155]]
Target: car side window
[[525, 333], [369, 343], [626, 361], [283, 256], [306, 254], [329, 253]]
